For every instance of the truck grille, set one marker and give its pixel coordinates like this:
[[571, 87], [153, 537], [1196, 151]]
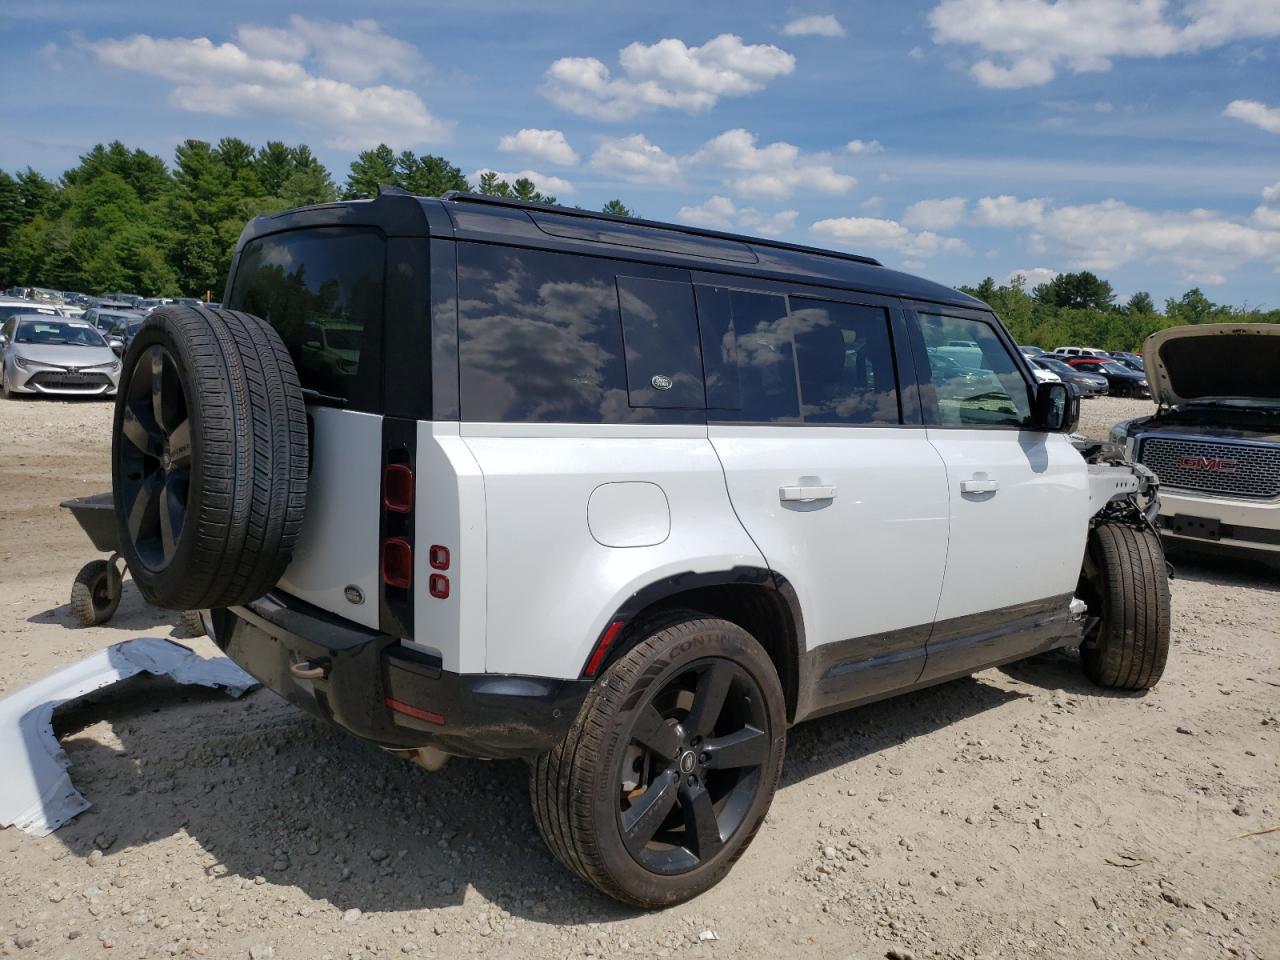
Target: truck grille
[[1230, 469]]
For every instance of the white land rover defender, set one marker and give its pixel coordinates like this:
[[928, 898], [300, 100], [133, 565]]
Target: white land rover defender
[[469, 476]]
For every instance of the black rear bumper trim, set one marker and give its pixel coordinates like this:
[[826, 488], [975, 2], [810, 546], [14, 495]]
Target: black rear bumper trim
[[495, 716]]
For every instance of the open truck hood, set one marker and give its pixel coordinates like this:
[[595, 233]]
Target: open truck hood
[[1214, 361]]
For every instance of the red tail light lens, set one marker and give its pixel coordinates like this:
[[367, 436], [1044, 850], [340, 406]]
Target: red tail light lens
[[438, 586], [439, 557], [416, 712], [397, 563], [397, 488], [602, 648]]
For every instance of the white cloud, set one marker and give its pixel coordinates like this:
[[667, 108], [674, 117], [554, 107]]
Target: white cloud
[[547, 184], [635, 159], [720, 213], [1267, 214], [916, 53], [546, 145], [1110, 234], [817, 25], [864, 146], [1034, 276], [267, 74], [873, 233], [665, 74], [1271, 194], [935, 214], [1256, 113], [775, 170], [1007, 211], [1028, 41]]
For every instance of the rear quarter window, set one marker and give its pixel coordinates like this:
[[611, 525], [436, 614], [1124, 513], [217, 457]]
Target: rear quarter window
[[322, 289]]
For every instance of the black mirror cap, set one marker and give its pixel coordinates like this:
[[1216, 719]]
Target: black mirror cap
[[1057, 407]]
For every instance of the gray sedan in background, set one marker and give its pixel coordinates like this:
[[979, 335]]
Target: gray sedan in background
[[54, 355]]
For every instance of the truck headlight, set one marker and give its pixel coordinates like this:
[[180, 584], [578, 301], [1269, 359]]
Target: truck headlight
[[1120, 432]]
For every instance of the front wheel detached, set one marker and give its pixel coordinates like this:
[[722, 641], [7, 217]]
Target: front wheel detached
[[669, 770]]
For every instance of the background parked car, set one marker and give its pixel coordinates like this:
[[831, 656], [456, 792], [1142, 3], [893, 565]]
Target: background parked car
[[1031, 351], [11, 307], [120, 329], [1131, 360], [1121, 381], [1089, 384], [1066, 352], [54, 355]]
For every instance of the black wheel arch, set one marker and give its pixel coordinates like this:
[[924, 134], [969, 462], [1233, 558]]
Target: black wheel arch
[[756, 599]]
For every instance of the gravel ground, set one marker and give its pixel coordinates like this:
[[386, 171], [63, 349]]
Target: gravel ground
[[1019, 813]]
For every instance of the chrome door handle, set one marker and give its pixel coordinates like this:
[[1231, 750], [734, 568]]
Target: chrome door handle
[[806, 494], [979, 486]]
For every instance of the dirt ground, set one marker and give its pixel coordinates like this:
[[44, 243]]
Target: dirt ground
[[1019, 813]]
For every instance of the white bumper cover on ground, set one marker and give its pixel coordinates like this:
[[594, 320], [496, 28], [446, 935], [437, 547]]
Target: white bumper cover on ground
[[36, 794]]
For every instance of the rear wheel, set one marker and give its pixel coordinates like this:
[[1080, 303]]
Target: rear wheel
[[667, 773], [1126, 585], [95, 594]]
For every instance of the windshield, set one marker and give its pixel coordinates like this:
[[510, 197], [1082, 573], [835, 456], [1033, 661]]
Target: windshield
[[53, 332], [1057, 366], [1112, 367], [11, 310]]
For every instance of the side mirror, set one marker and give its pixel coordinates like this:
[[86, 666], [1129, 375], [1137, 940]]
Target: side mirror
[[116, 344], [1057, 407]]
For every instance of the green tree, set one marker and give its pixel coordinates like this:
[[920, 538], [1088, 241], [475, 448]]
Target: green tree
[[618, 209], [1141, 303], [368, 169], [1077, 291]]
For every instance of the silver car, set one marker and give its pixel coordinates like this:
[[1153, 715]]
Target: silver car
[[54, 355]]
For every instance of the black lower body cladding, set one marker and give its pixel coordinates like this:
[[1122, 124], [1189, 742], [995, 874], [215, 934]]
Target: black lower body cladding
[[209, 458]]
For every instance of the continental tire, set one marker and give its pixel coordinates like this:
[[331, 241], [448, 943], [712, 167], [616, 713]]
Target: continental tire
[[1128, 584], [670, 767], [208, 458]]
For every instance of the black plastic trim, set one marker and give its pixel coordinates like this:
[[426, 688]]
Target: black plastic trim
[[395, 604], [493, 716]]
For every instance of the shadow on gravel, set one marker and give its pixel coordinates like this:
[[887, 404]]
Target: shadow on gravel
[[1061, 670], [268, 792], [1224, 571], [134, 613]]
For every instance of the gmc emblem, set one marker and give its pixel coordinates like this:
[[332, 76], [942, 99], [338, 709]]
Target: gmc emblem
[[1215, 464]]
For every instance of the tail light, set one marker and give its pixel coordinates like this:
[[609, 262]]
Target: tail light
[[397, 488], [602, 649], [397, 563]]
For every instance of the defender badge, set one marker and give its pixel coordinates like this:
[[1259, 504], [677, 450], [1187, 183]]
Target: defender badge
[[661, 382]]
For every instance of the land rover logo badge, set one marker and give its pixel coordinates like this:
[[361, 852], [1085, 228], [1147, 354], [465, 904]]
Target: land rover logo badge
[[354, 594], [661, 381]]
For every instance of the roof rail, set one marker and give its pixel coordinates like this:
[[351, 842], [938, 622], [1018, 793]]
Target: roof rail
[[462, 196]]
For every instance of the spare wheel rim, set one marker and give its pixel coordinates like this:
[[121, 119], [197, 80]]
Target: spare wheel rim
[[155, 458]]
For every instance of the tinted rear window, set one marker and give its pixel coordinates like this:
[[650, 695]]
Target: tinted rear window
[[322, 289]]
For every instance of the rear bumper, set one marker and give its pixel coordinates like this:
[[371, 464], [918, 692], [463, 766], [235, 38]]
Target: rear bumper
[[485, 715]]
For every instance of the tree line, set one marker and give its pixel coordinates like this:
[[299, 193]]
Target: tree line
[[1079, 309], [122, 219]]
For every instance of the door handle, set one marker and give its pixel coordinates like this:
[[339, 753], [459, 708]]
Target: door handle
[[806, 494], [979, 486]]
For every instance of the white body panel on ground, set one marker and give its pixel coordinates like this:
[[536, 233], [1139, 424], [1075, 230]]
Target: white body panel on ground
[[1041, 485], [339, 546], [868, 559], [539, 480]]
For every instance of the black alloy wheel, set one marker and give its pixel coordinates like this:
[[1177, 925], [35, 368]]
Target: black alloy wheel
[[156, 478], [693, 766]]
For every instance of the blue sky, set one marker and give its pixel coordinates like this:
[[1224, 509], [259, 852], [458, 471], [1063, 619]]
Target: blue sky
[[953, 138]]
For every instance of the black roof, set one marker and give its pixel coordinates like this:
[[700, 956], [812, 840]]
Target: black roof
[[470, 216]]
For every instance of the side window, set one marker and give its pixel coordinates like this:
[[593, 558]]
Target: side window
[[974, 378], [748, 357], [539, 338], [660, 333], [844, 356]]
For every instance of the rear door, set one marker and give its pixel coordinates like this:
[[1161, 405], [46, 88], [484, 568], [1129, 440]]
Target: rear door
[[831, 474], [1018, 497], [301, 281]]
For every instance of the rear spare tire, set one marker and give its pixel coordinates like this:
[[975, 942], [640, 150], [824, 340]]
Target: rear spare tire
[[208, 458], [1126, 586]]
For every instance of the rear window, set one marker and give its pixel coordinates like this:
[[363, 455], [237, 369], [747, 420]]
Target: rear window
[[322, 289]]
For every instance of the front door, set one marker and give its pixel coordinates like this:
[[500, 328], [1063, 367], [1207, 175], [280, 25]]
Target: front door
[[1018, 497], [846, 503]]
